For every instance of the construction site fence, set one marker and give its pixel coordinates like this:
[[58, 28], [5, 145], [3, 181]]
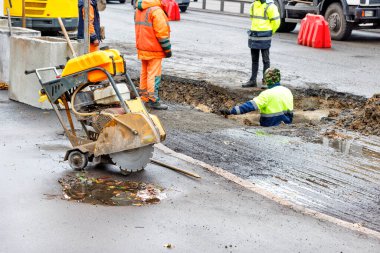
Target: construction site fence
[[242, 4]]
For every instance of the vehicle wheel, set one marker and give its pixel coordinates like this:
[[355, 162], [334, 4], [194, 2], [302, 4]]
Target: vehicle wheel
[[183, 8], [340, 29], [77, 160], [122, 1], [284, 26]]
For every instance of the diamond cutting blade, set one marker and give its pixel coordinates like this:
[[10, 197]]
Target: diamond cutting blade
[[132, 160]]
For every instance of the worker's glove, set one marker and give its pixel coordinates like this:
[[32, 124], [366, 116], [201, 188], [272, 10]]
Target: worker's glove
[[96, 43], [225, 112], [168, 54]]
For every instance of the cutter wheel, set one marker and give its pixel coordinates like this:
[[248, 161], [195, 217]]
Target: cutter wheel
[[132, 160]]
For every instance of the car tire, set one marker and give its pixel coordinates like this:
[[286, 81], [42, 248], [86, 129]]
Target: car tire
[[340, 29], [122, 1], [183, 8]]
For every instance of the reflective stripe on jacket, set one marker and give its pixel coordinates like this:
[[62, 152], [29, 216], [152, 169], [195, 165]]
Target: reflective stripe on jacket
[[265, 22], [152, 30], [275, 106]]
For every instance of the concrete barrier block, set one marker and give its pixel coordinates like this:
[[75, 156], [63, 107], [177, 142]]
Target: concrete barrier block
[[33, 53], [5, 44], [3, 23]]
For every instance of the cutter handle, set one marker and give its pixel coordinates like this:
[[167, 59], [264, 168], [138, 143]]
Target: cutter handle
[[28, 72]]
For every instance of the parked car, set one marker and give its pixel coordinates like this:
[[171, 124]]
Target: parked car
[[120, 1], [183, 4]]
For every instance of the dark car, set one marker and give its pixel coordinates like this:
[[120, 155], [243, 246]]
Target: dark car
[[183, 4], [120, 1]]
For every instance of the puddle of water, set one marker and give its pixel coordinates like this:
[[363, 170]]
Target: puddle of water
[[354, 148], [109, 191]]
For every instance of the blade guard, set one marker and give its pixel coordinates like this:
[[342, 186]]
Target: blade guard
[[136, 106], [125, 132]]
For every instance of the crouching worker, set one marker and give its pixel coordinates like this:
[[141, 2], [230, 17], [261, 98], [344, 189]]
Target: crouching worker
[[275, 104], [153, 43]]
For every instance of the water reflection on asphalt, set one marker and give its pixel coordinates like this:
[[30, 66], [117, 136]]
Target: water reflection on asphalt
[[107, 190]]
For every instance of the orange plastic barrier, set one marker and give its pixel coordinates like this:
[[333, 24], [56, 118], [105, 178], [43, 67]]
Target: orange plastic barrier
[[314, 32], [172, 9]]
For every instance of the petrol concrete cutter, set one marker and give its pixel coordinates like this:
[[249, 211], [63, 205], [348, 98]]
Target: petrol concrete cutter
[[116, 125]]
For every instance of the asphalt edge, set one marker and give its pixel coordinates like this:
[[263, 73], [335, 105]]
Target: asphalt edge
[[252, 187]]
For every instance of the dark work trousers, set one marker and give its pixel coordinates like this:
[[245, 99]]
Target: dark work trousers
[[255, 53]]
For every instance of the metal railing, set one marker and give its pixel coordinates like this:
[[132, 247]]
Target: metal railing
[[241, 2]]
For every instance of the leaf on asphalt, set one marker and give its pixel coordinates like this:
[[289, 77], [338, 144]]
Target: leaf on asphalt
[[261, 133], [168, 245]]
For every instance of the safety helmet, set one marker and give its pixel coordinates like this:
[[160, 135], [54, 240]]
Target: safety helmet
[[272, 76]]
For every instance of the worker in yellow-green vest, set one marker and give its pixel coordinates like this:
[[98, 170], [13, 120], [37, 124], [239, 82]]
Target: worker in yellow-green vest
[[265, 22], [275, 104]]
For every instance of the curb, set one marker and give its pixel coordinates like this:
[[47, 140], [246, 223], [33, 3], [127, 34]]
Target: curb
[[252, 187]]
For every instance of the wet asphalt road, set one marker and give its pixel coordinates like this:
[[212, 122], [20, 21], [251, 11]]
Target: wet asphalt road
[[339, 178], [208, 215], [213, 47]]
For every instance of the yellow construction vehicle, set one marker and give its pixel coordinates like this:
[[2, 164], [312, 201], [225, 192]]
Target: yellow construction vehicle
[[42, 15], [116, 125]]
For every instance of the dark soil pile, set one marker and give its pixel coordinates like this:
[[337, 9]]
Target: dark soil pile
[[194, 93], [366, 119]]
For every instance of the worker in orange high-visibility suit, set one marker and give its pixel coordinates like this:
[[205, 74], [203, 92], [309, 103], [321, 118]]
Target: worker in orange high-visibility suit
[[153, 43], [94, 24]]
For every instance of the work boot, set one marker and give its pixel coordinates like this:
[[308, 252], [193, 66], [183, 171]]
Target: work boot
[[249, 84], [263, 85], [157, 105]]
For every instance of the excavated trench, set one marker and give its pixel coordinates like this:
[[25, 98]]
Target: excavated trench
[[315, 106], [321, 107], [318, 162], [212, 98]]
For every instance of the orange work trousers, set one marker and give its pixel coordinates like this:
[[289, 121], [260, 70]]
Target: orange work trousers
[[150, 79], [93, 48]]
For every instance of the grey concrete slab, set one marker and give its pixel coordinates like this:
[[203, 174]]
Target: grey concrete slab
[[207, 215], [214, 47], [5, 48], [33, 53]]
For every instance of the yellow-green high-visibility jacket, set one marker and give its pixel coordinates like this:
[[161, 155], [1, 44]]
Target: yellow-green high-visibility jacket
[[265, 22], [275, 106]]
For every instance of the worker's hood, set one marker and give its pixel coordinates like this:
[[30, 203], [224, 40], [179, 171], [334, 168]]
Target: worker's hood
[[145, 4]]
